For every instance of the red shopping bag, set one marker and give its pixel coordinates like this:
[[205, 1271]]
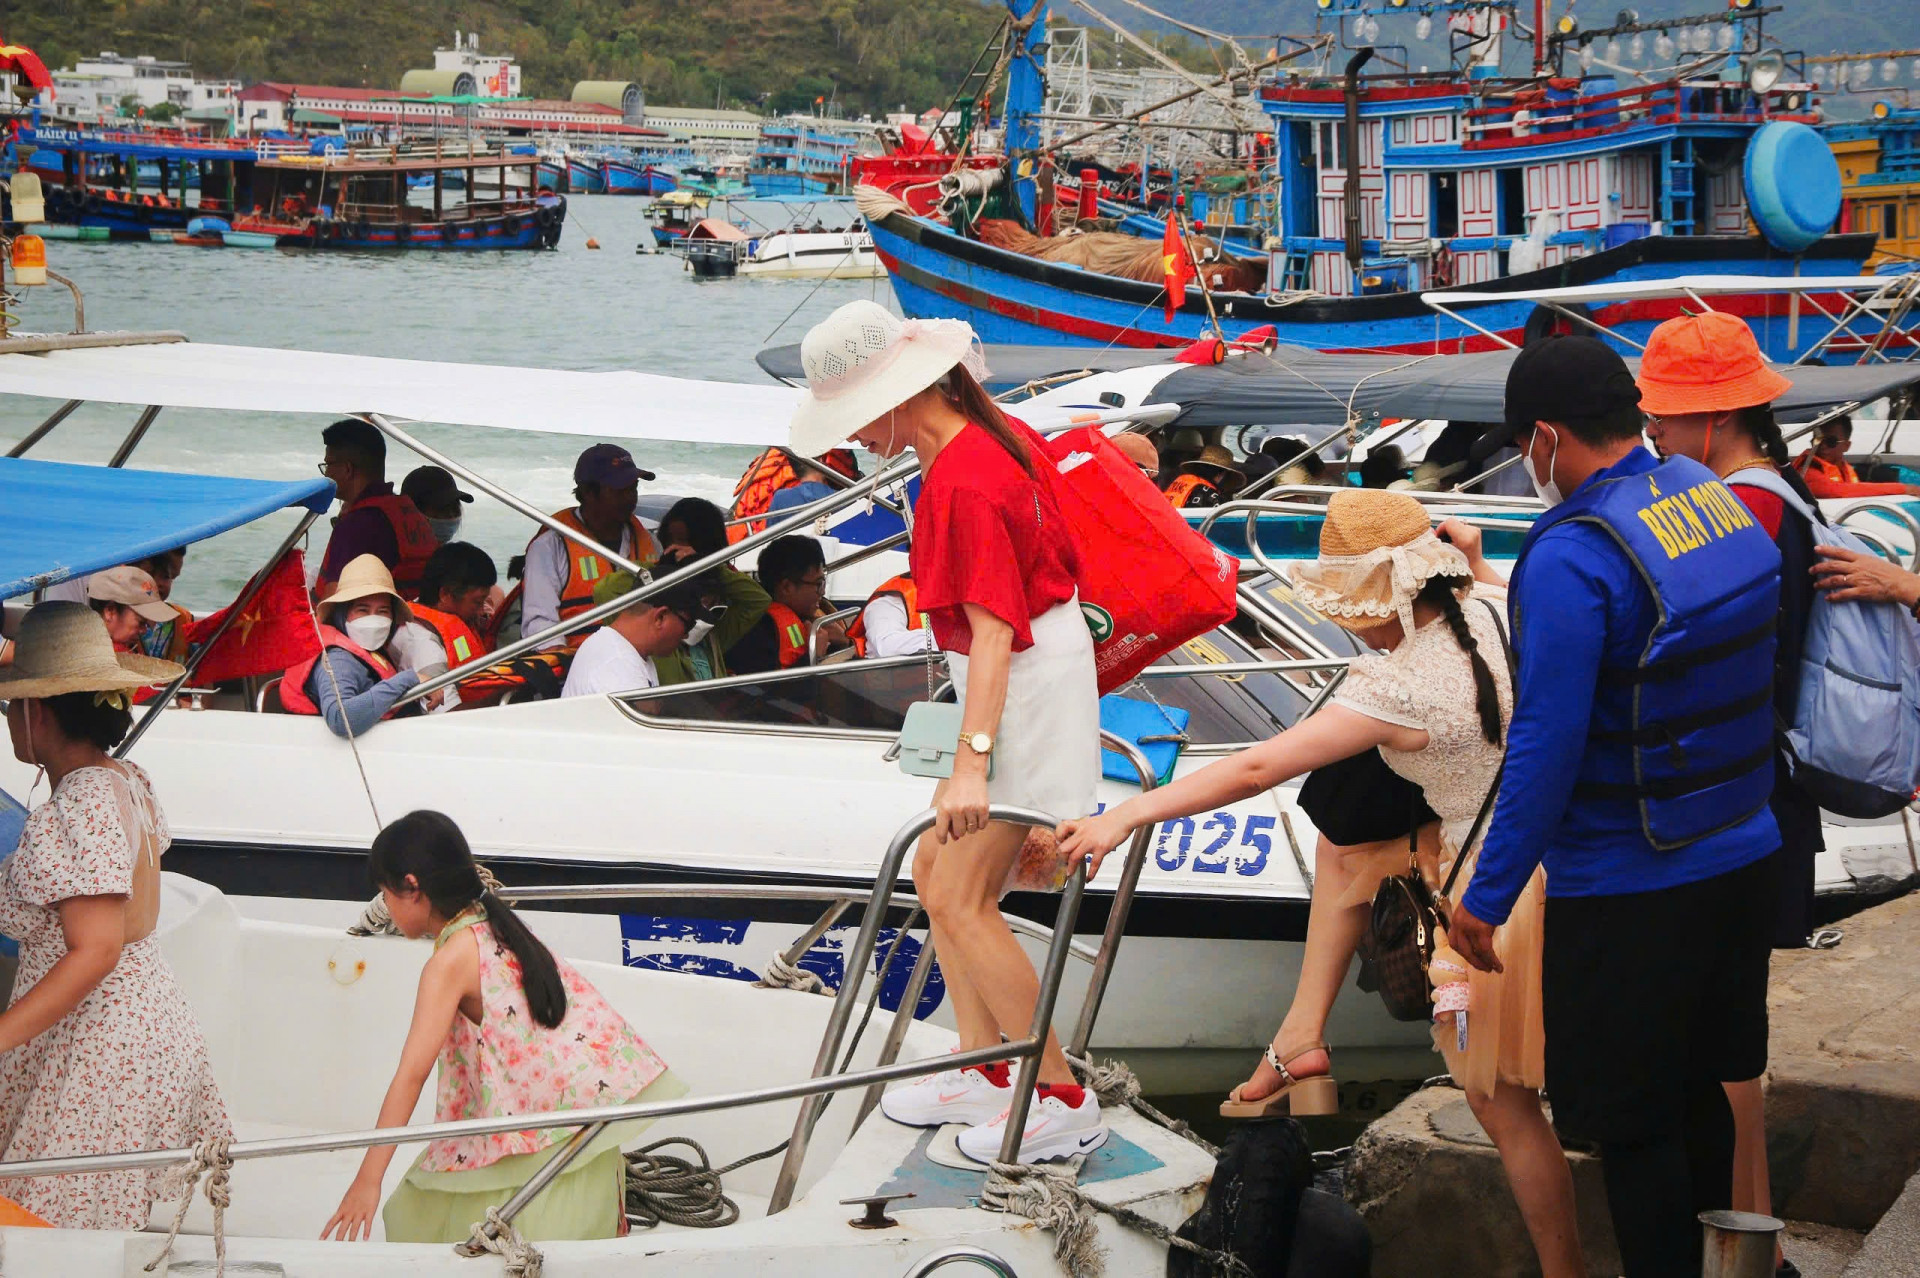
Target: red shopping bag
[[1148, 582]]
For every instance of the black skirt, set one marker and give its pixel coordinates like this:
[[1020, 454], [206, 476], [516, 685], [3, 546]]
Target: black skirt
[[1361, 800]]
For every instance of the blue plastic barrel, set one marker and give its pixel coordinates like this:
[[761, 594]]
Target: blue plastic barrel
[[1624, 233], [1606, 114], [1793, 185]]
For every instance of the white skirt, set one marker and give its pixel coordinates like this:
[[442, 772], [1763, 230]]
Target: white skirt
[[1046, 753]]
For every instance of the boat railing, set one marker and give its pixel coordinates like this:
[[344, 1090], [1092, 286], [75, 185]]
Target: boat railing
[[1522, 121], [1297, 500], [828, 1075], [1884, 508]]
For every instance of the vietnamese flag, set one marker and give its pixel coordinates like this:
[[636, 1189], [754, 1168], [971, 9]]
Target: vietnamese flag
[[1176, 265], [275, 630]]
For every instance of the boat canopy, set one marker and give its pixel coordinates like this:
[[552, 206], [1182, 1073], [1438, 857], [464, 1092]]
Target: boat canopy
[[621, 404], [1297, 386], [64, 520], [712, 228], [1675, 287], [1006, 365]]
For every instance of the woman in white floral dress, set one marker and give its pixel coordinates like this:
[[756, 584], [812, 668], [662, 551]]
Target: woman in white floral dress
[[99, 1052]]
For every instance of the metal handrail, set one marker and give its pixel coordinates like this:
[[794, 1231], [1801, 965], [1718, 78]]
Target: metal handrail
[[1026, 1050], [956, 1255], [814, 627], [1884, 506]]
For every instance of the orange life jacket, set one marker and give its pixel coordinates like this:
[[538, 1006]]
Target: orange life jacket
[[902, 586], [460, 640], [770, 472], [544, 671], [412, 534], [293, 684], [792, 632], [585, 568], [1841, 472], [1181, 490]]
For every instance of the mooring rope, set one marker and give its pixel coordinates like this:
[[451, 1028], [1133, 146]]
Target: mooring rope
[[497, 1236], [212, 1159]]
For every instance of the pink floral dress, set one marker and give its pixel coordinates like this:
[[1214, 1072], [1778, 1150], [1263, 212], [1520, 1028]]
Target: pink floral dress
[[511, 1064], [127, 1069]]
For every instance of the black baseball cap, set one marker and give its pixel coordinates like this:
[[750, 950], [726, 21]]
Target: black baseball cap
[[609, 466], [432, 488], [1566, 378]]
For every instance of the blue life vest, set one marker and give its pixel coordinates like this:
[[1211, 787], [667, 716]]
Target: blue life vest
[[1687, 731]]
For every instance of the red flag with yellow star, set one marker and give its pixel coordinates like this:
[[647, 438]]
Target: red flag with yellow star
[[273, 632], [1177, 266]]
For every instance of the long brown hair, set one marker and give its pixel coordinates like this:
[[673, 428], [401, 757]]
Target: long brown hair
[[1439, 592], [967, 395]]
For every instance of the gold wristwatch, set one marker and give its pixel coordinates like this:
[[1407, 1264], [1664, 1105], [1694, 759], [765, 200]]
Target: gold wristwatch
[[978, 742]]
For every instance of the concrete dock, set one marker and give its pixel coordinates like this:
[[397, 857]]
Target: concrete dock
[[1843, 1133]]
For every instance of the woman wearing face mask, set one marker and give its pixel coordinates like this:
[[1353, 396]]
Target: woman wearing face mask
[[364, 670], [994, 565], [99, 1051], [1706, 392], [694, 528]]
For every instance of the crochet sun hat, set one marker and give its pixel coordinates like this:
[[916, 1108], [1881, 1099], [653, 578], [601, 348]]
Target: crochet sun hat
[[367, 575], [863, 360], [1705, 363], [63, 647], [1377, 550], [1214, 457]]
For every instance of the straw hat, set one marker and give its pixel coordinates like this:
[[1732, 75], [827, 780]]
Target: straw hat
[[366, 575], [1705, 363], [63, 646], [862, 360], [1377, 550], [1216, 457]]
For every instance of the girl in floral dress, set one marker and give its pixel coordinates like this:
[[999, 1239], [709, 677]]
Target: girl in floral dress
[[99, 1052], [515, 1031]]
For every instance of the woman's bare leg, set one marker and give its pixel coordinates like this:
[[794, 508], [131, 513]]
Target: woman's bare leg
[[1752, 1185], [971, 1017], [1537, 1171], [961, 890]]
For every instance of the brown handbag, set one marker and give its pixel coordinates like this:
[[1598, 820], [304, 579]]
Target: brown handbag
[[1398, 944]]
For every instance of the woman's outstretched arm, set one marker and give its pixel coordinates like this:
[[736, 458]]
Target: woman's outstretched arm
[[1329, 735]]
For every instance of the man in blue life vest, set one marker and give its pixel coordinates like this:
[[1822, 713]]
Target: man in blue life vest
[[1639, 763]]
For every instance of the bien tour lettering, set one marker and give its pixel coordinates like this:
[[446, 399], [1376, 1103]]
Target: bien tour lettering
[[1695, 517]]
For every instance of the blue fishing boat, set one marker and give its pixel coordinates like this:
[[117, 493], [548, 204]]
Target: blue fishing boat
[[630, 177], [800, 156], [550, 174], [583, 175], [1387, 185]]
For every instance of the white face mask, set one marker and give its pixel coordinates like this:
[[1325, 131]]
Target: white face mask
[[1547, 490], [370, 631], [444, 530], [697, 633]]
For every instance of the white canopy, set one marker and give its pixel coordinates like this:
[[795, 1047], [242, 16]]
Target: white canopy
[[612, 405], [1678, 287]]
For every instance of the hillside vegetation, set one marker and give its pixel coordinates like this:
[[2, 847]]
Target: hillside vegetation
[[865, 55]]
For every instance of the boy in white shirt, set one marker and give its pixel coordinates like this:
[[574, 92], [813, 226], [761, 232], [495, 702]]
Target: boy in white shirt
[[618, 657]]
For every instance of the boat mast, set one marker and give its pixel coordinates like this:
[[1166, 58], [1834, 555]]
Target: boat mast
[[1026, 101], [1539, 37]]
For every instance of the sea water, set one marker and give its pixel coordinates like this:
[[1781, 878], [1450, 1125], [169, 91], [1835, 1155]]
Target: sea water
[[572, 308]]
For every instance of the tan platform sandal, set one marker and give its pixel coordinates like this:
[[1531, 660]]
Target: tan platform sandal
[[1318, 1094]]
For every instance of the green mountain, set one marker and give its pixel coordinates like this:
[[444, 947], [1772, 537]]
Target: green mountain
[[864, 55]]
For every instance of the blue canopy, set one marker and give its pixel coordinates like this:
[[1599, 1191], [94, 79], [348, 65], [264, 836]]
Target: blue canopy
[[59, 520]]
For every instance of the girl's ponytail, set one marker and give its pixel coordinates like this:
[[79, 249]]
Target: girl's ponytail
[[430, 849], [1439, 591]]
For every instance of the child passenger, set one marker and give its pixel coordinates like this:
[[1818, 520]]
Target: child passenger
[[515, 1031]]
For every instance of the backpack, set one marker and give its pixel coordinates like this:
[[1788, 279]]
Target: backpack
[[1854, 743]]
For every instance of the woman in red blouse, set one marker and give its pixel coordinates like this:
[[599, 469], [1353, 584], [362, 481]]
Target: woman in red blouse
[[995, 566]]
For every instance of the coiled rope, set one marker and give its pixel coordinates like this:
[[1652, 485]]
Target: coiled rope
[[497, 1236], [1051, 1197], [668, 1189], [782, 975], [212, 1159]]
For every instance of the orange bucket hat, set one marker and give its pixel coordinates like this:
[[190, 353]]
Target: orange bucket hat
[[1705, 364]]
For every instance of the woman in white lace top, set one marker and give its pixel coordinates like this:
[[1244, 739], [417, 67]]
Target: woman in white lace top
[[1435, 705]]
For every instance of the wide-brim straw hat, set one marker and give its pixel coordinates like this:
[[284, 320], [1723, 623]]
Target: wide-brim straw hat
[[1377, 551], [862, 360], [1214, 457], [1707, 363], [364, 576], [63, 647]]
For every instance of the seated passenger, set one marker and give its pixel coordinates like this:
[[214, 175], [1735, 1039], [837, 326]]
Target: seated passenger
[[363, 674], [103, 1054], [810, 485], [433, 492], [1140, 451], [696, 528], [492, 995], [892, 625], [619, 656], [773, 472], [1207, 480], [455, 589], [374, 519], [1182, 446], [561, 574], [128, 602], [167, 640], [1828, 472], [793, 571]]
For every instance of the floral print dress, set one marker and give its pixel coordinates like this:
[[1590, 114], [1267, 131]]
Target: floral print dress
[[509, 1063], [127, 1068]]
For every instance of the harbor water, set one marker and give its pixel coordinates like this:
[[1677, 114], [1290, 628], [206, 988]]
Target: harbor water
[[573, 308]]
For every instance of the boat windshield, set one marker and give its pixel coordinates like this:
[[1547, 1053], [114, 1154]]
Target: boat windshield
[[872, 697]]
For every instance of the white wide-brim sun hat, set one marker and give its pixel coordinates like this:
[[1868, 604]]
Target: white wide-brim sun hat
[[861, 361]]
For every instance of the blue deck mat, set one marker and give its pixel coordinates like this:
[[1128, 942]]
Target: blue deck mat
[[933, 1185]]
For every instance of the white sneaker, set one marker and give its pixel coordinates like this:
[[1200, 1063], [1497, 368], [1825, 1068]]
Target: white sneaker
[[1055, 1129], [951, 1096]]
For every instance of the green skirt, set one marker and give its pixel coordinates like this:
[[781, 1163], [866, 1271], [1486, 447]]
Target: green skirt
[[588, 1200]]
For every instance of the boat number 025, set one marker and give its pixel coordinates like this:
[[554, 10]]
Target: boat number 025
[[1207, 845]]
